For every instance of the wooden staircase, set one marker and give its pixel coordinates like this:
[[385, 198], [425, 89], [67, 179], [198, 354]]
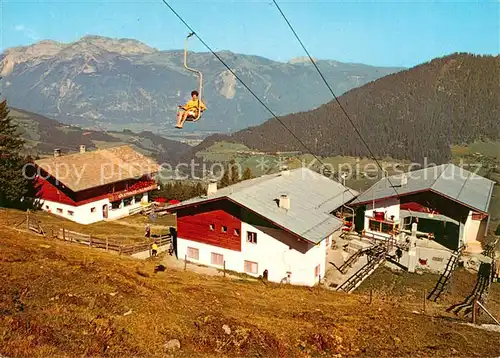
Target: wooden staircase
[[445, 277], [355, 257], [479, 292], [481, 289], [376, 256]]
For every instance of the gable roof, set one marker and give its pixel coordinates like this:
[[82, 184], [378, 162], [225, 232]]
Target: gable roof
[[312, 197], [448, 180], [81, 171]]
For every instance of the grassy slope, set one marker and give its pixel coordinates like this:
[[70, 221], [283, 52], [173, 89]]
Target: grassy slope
[[127, 230], [410, 287], [225, 151], [70, 301]]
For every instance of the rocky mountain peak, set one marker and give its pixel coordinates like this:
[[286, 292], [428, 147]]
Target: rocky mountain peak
[[301, 59], [121, 46], [89, 45]]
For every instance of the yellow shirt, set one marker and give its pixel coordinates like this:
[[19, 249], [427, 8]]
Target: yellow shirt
[[192, 105], [154, 247]]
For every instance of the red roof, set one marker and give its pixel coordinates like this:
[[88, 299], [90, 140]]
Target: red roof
[[173, 202]]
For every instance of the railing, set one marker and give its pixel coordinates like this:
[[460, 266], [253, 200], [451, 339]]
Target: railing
[[354, 257], [445, 277], [35, 226], [379, 256], [133, 191], [109, 245]]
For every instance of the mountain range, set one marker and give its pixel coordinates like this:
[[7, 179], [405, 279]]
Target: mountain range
[[98, 82], [414, 114]]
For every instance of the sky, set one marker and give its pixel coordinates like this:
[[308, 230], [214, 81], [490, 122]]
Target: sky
[[381, 33]]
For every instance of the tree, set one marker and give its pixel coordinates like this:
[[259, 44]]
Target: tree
[[234, 172], [225, 180], [198, 190], [16, 189], [247, 174], [179, 191]]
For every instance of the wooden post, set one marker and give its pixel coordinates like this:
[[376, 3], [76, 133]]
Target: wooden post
[[28, 219], [371, 296], [90, 241], [474, 310], [120, 252], [185, 262], [424, 299], [224, 268], [107, 244], [64, 234]]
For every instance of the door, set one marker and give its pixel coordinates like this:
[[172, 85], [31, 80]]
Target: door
[[359, 220], [105, 211]]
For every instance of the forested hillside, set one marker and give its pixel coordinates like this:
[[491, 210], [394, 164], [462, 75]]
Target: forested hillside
[[412, 114]]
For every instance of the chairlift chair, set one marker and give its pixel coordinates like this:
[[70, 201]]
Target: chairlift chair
[[200, 77]]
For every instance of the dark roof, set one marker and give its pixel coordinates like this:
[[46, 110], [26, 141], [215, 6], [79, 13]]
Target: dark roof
[[448, 180]]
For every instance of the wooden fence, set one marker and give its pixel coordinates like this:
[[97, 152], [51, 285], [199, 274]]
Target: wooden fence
[[109, 245], [32, 224]]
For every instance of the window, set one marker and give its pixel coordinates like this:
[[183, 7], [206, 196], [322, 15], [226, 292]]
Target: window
[[317, 270], [59, 210], [374, 225], [212, 227], [382, 226], [236, 232], [92, 210], [71, 213], [252, 237], [127, 202], [217, 259], [251, 267], [223, 229], [47, 207], [387, 228], [193, 253]]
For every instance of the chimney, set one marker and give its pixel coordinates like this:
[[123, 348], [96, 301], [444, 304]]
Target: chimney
[[212, 188], [57, 152], [82, 149], [284, 202], [404, 179], [284, 170]]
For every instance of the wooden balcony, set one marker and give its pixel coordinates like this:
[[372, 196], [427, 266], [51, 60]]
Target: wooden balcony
[[138, 188]]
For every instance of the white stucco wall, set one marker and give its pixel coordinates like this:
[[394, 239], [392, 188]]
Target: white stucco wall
[[471, 229], [83, 214], [433, 260], [268, 253], [391, 206]]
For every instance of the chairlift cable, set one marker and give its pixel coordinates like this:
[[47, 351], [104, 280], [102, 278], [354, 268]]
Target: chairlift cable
[[331, 91], [244, 84]]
